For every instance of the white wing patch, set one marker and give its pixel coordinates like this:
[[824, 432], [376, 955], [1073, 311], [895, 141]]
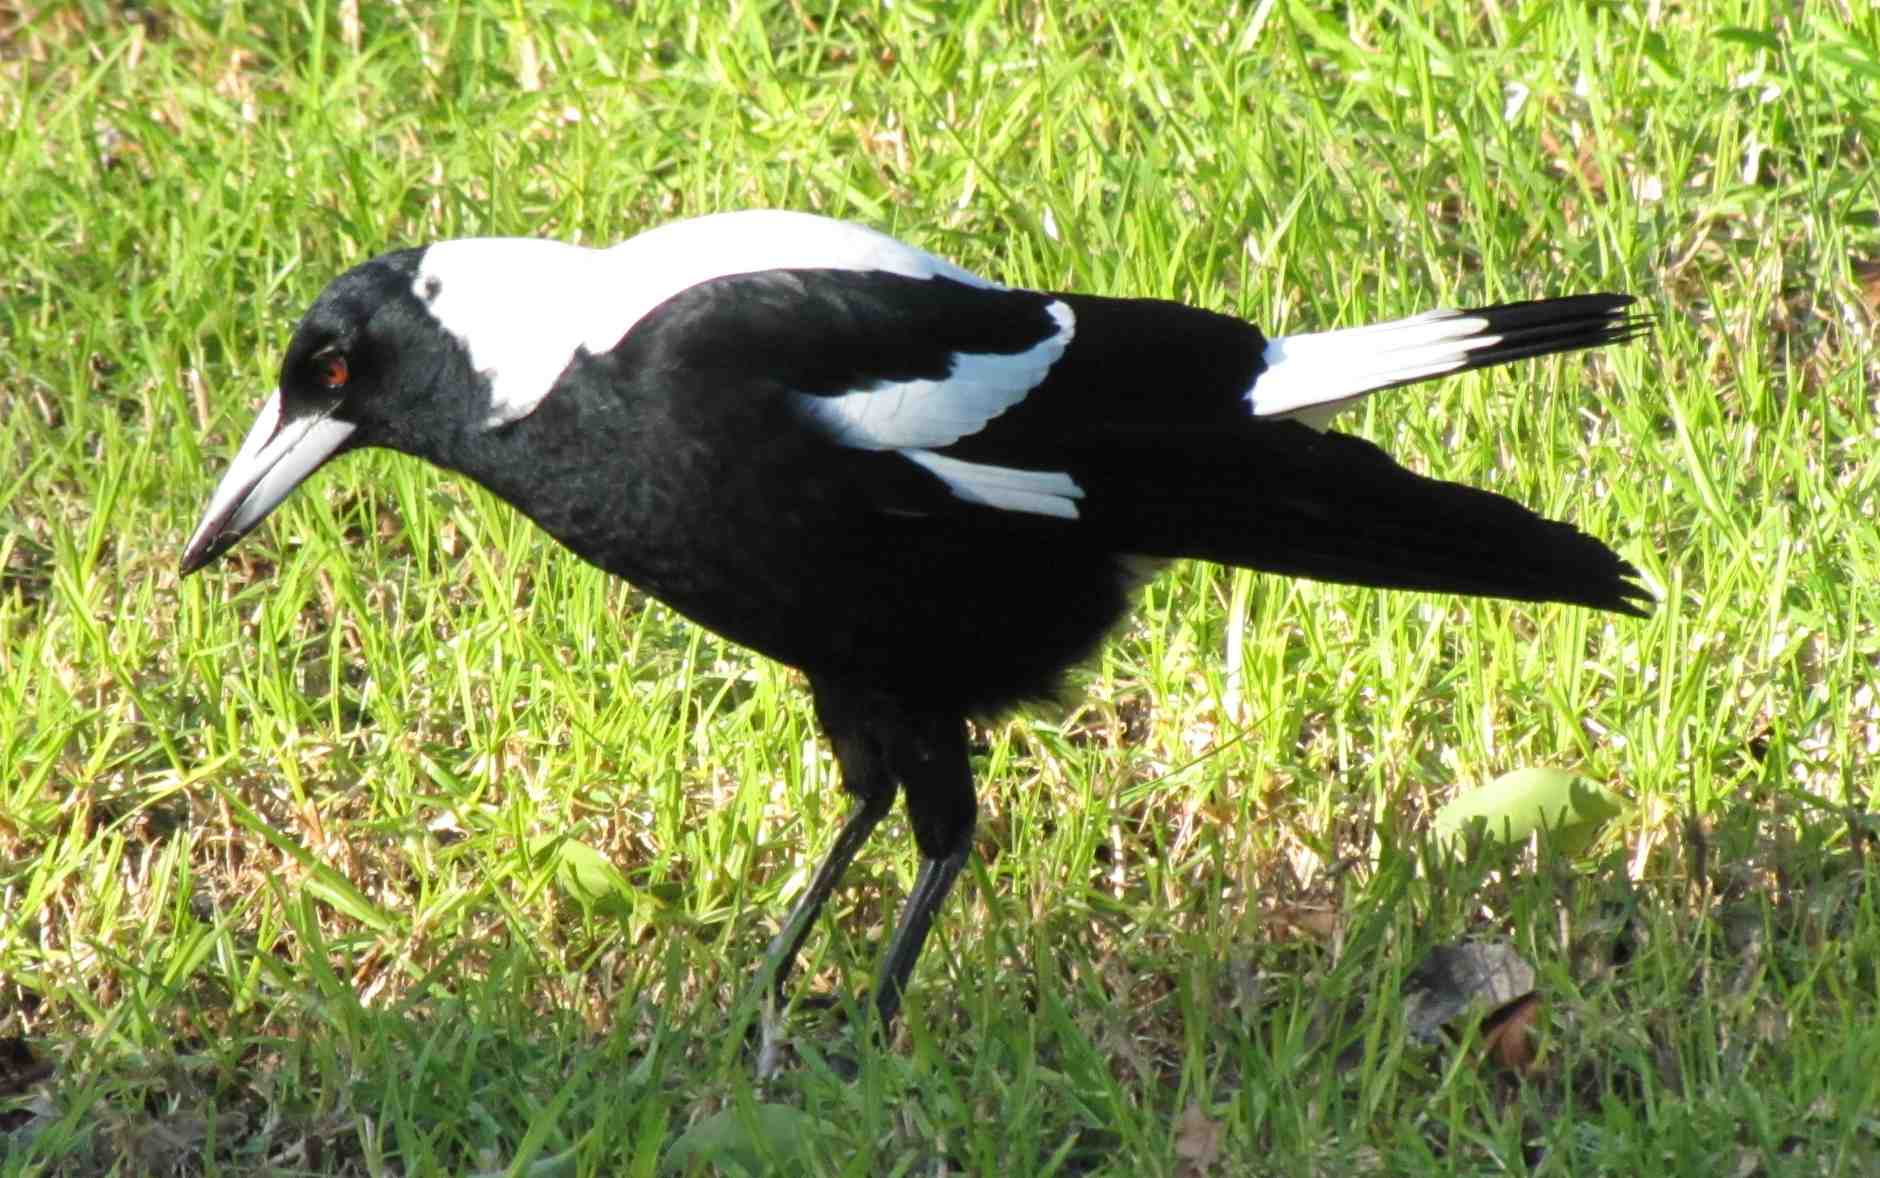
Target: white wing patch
[[1310, 377], [911, 414], [523, 307], [1038, 492], [913, 417]]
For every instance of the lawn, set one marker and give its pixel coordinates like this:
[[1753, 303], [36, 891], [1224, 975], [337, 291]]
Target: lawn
[[401, 842]]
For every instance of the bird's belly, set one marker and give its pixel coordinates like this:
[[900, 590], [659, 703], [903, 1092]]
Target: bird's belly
[[973, 622]]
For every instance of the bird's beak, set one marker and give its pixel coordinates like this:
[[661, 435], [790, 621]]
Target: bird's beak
[[274, 459]]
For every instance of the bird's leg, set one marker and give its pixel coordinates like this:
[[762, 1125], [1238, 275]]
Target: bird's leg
[[930, 892], [880, 741], [929, 756], [869, 810], [846, 717], [781, 956]]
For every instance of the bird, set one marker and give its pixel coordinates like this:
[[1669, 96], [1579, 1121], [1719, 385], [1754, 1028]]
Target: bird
[[931, 493]]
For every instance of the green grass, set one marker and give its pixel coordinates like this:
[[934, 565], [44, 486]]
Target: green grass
[[289, 851]]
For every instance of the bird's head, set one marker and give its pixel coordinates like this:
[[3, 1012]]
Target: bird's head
[[414, 350], [355, 373]]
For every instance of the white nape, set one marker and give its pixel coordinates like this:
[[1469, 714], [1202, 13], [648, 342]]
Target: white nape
[[1310, 377], [522, 307]]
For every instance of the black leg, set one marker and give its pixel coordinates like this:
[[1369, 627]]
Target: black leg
[[880, 741], [929, 757], [930, 892], [781, 956], [846, 719]]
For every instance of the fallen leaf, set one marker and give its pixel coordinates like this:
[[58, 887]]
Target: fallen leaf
[[589, 877], [1509, 1033], [1454, 978], [1321, 924], [759, 1139], [1867, 275], [1198, 1139], [1515, 805]]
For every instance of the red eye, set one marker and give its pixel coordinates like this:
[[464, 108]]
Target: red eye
[[333, 370]]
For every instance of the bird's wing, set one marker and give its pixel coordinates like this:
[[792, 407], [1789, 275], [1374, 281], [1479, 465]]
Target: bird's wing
[[876, 362], [990, 391]]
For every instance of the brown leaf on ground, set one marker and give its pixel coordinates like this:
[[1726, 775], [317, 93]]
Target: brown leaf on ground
[[1576, 158], [1478, 976], [1510, 1031], [1198, 1140], [1867, 275], [1321, 924]]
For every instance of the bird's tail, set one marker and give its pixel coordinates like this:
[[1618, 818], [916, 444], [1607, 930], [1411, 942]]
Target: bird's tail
[[1284, 498], [1310, 377], [1333, 507]]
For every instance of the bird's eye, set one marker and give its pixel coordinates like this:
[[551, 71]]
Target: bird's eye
[[333, 370]]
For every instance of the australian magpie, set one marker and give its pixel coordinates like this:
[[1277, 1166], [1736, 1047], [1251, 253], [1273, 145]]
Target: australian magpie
[[929, 492]]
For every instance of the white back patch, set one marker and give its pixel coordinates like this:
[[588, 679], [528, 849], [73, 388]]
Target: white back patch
[[522, 307], [905, 414], [1310, 377]]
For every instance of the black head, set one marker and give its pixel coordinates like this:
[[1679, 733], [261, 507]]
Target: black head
[[368, 365], [350, 353]]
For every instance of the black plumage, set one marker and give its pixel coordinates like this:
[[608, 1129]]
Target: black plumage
[[930, 493]]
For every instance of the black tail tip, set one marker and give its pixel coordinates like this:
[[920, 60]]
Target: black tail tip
[[1624, 593]]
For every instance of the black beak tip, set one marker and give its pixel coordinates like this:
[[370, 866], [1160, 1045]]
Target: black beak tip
[[203, 551]]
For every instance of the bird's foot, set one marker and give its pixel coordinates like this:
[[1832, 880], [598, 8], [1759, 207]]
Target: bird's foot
[[776, 1049]]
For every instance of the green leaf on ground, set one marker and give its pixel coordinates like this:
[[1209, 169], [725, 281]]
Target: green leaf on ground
[[1515, 805]]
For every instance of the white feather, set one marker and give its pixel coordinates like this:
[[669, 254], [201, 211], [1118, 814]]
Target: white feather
[[894, 415], [1038, 492], [523, 307], [1310, 377]]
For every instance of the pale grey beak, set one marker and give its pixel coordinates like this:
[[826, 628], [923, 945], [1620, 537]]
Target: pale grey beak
[[274, 459]]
